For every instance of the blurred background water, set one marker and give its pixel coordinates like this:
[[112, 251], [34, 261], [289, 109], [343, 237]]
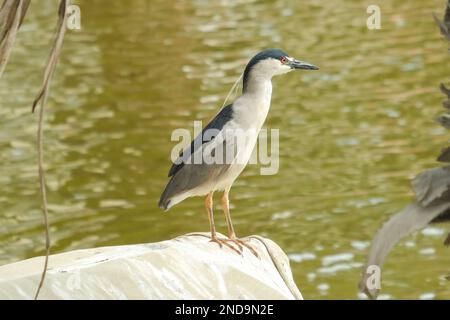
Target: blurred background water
[[351, 135]]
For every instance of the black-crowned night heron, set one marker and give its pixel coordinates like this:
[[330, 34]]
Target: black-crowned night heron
[[223, 137]]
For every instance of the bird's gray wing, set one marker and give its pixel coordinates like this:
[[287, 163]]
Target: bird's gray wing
[[203, 163], [217, 123], [193, 175]]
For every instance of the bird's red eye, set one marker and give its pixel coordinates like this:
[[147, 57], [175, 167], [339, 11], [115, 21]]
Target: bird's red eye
[[283, 60]]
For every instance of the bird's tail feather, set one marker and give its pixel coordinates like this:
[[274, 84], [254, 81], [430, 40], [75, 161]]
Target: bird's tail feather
[[164, 200], [170, 197]]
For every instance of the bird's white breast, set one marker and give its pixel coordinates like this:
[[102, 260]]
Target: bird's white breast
[[251, 109]]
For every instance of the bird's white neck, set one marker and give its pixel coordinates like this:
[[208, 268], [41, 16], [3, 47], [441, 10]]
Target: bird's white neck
[[254, 104], [259, 87], [257, 82]]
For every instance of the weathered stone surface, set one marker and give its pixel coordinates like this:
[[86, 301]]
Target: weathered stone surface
[[187, 267]]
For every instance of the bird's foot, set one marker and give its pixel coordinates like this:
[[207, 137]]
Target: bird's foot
[[243, 243], [224, 242], [447, 241]]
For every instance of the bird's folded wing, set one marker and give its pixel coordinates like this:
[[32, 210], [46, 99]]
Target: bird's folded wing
[[216, 125]]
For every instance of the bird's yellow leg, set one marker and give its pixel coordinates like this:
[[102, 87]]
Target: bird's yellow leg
[[209, 209], [226, 211], [231, 234]]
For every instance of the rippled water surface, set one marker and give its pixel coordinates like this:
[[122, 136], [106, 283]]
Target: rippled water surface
[[351, 135]]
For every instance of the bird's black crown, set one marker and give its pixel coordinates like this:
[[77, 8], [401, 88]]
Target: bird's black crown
[[263, 55]]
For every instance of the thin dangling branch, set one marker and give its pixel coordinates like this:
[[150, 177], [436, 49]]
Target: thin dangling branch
[[42, 99]]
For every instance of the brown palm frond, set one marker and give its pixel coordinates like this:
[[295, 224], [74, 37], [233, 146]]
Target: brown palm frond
[[444, 119], [12, 14], [432, 203]]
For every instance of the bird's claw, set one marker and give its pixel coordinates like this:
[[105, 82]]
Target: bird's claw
[[237, 243], [242, 243], [222, 242]]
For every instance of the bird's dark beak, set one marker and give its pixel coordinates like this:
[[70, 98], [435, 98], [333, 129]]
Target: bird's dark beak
[[296, 64]]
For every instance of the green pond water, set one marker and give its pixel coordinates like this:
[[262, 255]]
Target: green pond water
[[352, 135]]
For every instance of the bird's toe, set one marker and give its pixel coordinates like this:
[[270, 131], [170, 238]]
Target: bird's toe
[[215, 240], [237, 243], [224, 242], [244, 243]]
